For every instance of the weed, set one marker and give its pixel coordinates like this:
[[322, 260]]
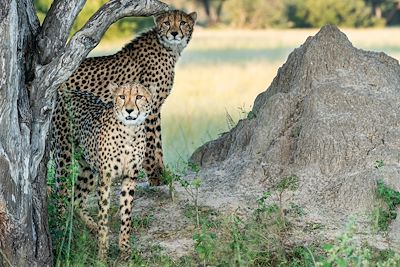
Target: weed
[[207, 216], [169, 177], [142, 176], [205, 243], [192, 188], [296, 209], [245, 113], [296, 131], [391, 199], [62, 224], [379, 164], [289, 183], [229, 120], [142, 222], [343, 252]]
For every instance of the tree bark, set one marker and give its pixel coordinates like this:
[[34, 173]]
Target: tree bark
[[34, 61]]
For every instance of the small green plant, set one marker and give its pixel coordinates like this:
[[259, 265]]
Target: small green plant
[[296, 131], [288, 183], [229, 120], [245, 113], [62, 224], [141, 176], [344, 252], [261, 202], [142, 221], [208, 217], [391, 199], [193, 189], [169, 177], [296, 209], [238, 239], [379, 164], [205, 243]]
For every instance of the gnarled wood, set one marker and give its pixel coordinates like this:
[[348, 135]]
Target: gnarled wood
[[50, 76], [40, 59], [56, 28]]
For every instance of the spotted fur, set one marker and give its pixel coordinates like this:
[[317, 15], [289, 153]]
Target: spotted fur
[[113, 140], [150, 60]]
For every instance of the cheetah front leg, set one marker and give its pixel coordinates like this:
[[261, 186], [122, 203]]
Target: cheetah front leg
[[153, 163], [85, 184], [104, 205], [126, 207]]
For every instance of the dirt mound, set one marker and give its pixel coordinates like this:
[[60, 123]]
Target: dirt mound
[[330, 114]]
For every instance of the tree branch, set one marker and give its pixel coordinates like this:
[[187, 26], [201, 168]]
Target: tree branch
[[50, 76], [56, 28], [89, 36]]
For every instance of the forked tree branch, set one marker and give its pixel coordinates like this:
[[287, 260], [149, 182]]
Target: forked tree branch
[[56, 28], [50, 76]]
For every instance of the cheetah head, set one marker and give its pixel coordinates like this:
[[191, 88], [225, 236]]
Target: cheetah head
[[174, 28], [132, 102]]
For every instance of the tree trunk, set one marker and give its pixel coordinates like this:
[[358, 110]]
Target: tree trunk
[[34, 61], [24, 238], [393, 12], [219, 10], [207, 9]]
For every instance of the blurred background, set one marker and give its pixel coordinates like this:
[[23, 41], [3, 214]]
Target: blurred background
[[236, 50]]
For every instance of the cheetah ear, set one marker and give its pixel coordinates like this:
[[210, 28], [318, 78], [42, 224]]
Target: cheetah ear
[[193, 15], [157, 17], [112, 86]]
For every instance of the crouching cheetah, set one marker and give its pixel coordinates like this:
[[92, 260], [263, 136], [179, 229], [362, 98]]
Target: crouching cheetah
[[113, 140], [149, 59]]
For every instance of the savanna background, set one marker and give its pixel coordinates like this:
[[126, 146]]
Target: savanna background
[[236, 50]]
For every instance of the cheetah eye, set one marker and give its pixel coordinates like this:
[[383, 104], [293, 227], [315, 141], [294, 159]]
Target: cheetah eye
[[183, 23], [122, 97], [139, 97], [166, 23]]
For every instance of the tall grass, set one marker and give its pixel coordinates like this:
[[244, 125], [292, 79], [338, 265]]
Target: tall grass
[[222, 72]]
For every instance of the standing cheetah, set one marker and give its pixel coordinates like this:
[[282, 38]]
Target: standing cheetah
[[113, 140], [150, 60]]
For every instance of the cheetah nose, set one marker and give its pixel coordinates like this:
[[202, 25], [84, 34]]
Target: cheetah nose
[[129, 111], [174, 34]]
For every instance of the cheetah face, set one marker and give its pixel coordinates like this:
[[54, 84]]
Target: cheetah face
[[132, 102], [175, 28]]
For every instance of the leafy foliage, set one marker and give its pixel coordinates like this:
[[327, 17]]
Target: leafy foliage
[[343, 252], [391, 199], [257, 13], [317, 13]]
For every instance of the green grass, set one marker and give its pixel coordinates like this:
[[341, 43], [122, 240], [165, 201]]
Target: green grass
[[390, 199], [259, 239]]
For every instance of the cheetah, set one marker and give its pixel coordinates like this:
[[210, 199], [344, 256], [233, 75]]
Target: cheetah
[[113, 139], [149, 59]]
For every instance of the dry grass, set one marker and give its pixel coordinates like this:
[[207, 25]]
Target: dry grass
[[211, 89], [222, 71], [202, 96]]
